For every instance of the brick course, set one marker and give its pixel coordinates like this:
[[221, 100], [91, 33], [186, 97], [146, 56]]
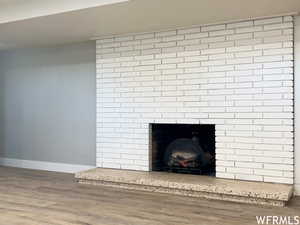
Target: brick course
[[238, 76]]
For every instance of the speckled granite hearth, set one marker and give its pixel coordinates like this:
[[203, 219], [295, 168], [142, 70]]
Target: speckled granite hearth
[[190, 185]]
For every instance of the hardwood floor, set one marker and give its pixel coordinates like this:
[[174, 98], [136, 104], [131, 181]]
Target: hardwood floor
[[31, 197]]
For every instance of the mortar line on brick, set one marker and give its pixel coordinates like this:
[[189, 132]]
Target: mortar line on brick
[[196, 26]]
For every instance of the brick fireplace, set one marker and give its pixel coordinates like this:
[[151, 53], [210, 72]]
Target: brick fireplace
[[237, 77]]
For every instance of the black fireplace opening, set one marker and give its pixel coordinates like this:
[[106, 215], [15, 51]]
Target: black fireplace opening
[[183, 148]]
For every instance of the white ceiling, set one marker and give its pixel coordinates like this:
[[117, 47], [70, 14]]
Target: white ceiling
[[14, 10], [28, 23]]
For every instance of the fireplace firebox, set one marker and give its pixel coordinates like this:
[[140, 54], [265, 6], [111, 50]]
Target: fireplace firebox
[[183, 148]]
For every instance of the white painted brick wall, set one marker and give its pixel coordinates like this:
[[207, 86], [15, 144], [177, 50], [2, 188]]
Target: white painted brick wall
[[238, 76]]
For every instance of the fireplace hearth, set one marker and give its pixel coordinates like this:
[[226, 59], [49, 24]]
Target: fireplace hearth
[[183, 148]]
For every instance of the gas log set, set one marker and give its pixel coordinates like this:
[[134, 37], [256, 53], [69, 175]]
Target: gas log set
[[183, 148], [187, 153]]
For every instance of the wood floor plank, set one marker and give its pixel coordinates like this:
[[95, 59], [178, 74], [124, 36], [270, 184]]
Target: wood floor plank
[[31, 197]]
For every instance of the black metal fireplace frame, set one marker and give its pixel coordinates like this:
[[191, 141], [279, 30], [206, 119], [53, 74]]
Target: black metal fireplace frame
[[187, 132]]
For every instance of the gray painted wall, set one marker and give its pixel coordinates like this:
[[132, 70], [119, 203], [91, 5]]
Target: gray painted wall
[[47, 104], [297, 105]]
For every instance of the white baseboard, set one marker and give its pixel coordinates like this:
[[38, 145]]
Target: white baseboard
[[41, 165]]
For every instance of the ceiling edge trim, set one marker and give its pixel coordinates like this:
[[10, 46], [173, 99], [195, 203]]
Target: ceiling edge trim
[[206, 24]]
